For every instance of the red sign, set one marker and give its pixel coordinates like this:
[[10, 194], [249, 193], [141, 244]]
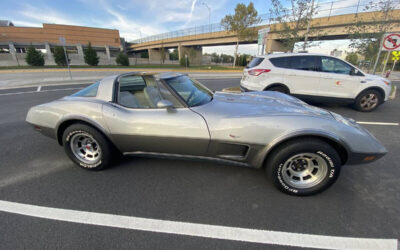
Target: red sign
[[391, 42]]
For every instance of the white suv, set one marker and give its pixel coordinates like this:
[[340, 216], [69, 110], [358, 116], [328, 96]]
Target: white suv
[[316, 77]]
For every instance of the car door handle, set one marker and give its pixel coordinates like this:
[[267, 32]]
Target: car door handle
[[362, 81]]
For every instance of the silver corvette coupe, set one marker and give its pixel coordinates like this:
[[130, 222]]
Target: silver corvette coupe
[[300, 146]]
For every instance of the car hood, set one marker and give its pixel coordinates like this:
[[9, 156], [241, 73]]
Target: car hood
[[375, 77], [260, 104]]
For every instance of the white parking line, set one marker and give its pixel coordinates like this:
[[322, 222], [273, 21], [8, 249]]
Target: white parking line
[[198, 230], [39, 88], [380, 123], [30, 92]]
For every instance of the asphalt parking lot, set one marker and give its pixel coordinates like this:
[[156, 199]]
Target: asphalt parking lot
[[364, 202]]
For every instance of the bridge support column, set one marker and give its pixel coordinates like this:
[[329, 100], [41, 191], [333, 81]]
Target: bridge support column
[[274, 46], [194, 54], [155, 55]]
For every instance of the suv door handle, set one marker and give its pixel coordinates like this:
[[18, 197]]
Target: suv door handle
[[363, 81]]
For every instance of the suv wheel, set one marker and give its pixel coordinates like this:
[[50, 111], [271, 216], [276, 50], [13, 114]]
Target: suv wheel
[[368, 101], [279, 89]]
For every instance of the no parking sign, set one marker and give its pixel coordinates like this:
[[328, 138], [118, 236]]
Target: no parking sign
[[391, 42]]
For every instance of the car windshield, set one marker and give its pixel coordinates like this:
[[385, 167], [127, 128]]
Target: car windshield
[[190, 90]]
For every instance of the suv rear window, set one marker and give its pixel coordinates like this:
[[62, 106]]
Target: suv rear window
[[255, 62], [279, 62]]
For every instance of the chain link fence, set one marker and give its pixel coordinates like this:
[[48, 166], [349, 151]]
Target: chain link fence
[[322, 9]]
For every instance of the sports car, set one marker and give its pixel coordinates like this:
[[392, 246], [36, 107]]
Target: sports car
[[301, 147]]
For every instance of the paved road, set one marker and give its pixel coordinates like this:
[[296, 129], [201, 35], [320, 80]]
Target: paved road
[[365, 202]]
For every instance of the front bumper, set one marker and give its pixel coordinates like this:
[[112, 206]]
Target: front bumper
[[393, 92], [363, 158]]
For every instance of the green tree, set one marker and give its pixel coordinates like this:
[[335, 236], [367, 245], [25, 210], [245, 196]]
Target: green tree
[[294, 24], [352, 58], [363, 40], [163, 56], [183, 61], [144, 54], [122, 59], [173, 56], [59, 56], [90, 56], [242, 23], [34, 57]]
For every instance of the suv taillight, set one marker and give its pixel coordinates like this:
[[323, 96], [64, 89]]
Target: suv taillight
[[257, 72]]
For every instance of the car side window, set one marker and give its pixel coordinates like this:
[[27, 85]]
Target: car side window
[[135, 92], [333, 65], [308, 63]]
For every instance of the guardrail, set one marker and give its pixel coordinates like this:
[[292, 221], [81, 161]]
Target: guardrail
[[323, 9]]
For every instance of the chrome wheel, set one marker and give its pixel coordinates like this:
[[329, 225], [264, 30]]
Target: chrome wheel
[[369, 101], [304, 170], [85, 148]]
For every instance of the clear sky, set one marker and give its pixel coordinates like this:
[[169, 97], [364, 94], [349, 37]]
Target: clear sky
[[133, 18]]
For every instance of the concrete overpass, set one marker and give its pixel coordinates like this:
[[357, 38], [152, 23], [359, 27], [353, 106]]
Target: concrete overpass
[[333, 27]]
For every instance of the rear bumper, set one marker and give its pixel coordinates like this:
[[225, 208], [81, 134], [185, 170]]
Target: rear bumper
[[243, 89]]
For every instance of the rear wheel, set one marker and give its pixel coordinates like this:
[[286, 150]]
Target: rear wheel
[[87, 147], [368, 101], [303, 167], [280, 89]]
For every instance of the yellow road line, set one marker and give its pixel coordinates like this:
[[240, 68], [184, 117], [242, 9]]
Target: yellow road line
[[8, 71]]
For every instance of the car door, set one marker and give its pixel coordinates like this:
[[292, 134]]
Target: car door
[[136, 124], [301, 75], [338, 78]]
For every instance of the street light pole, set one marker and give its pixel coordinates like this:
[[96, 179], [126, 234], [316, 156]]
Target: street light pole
[[209, 14], [308, 25]]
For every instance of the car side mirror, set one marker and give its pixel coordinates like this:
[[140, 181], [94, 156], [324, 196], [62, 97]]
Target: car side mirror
[[165, 104]]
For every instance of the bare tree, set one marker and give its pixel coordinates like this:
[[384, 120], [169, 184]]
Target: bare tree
[[366, 37], [242, 23], [294, 24]]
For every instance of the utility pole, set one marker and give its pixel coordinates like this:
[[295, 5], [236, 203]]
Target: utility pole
[[310, 13], [209, 15]]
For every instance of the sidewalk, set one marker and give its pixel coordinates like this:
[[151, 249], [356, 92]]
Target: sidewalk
[[35, 77]]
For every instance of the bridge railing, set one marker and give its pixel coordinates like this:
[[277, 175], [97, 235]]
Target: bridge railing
[[322, 9]]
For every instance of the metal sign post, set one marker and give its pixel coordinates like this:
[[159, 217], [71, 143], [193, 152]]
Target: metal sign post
[[63, 43], [378, 56], [395, 58]]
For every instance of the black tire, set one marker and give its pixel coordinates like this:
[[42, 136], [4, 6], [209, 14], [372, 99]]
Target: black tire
[[101, 144], [280, 89], [360, 104], [278, 161]]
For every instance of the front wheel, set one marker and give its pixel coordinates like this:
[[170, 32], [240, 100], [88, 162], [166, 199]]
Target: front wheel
[[87, 147], [368, 101], [303, 167]]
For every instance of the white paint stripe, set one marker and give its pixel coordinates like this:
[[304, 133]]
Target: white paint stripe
[[380, 123], [30, 92], [39, 88], [198, 230]]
